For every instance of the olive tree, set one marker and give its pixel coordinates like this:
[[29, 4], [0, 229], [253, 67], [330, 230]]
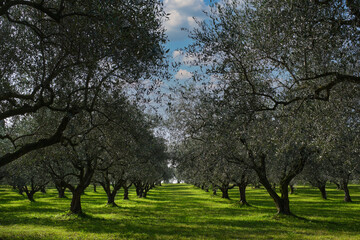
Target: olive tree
[[28, 175], [62, 55], [281, 51], [340, 141], [72, 165]]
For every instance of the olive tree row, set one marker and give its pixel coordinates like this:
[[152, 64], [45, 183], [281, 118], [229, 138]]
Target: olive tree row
[[265, 62], [116, 152]]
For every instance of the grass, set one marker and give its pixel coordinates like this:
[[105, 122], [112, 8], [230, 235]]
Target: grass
[[180, 211]]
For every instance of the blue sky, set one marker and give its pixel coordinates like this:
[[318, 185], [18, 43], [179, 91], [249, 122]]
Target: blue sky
[[181, 15]]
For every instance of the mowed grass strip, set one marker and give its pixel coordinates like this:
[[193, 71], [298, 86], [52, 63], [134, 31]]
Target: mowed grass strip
[[180, 211]]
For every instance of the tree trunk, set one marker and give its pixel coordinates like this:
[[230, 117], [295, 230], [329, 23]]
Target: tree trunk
[[30, 195], [292, 189], [338, 185], [214, 191], [94, 187], [42, 189], [61, 191], [140, 192], [323, 192], [242, 190], [126, 193], [75, 206], [146, 189], [111, 199], [282, 203], [347, 197], [225, 193]]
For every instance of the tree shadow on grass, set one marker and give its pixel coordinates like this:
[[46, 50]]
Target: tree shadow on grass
[[170, 214]]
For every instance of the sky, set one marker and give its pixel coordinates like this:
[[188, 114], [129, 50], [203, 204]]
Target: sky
[[181, 15]]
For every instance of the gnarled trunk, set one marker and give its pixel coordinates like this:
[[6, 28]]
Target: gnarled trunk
[[146, 189], [282, 203], [323, 192], [60, 187], [126, 193], [126, 190], [140, 192], [285, 203], [30, 195], [75, 206], [214, 191], [111, 199], [225, 192], [345, 187], [338, 185], [61, 192], [111, 194], [21, 190], [242, 190]]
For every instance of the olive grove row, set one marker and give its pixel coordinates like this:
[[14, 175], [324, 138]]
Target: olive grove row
[[72, 83], [276, 99]]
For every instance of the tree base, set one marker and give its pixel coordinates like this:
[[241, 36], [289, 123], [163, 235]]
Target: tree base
[[242, 204], [112, 205], [77, 215]]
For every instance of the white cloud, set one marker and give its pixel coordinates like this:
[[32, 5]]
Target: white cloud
[[183, 74], [192, 5], [181, 16], [191, 22], [177, 54], [180, 56], [174, 19]]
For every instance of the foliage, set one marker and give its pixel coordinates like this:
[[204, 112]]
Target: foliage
[[66, 57]]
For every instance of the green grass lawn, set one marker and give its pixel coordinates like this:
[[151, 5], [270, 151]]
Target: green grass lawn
[[180, 211]]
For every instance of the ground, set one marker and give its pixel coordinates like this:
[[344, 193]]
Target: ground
[[180, 211]]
